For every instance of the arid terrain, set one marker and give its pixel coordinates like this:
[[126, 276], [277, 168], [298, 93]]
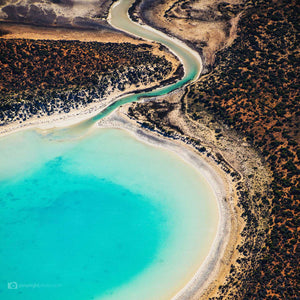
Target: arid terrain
[[252, 91], [242, 114], [57, 13], [207, 26], [42, 69], [50, 76]]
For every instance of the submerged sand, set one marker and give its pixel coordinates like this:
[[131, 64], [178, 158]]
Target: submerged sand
[[218, 180], [220, 184]]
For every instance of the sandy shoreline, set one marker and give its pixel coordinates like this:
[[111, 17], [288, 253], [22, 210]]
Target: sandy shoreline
[[75, 116], [63, 119], [68, 34], [218, 180], [164, 35], [219, 183]]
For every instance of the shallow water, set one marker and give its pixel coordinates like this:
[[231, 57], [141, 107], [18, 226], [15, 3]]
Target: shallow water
[[92, 213], [190, 59], [105, 217]]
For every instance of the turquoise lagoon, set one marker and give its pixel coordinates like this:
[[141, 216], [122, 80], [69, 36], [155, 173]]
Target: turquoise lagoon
[[104, 216], [100, 217]]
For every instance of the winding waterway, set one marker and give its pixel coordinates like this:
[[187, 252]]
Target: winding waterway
[[102, 216], [190, 59]]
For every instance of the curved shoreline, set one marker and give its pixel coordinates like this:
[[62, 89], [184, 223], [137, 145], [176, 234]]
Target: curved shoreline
[[218, 181], [208, 269], [221, 187], [164, 35], [140, 19], [74, 117]]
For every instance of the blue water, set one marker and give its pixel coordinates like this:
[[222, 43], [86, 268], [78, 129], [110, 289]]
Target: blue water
[[96, 214], [86, 234], [80, 219]]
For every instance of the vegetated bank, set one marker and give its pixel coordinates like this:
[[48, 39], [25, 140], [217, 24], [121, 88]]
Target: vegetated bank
[[42, 77], [252, 91]]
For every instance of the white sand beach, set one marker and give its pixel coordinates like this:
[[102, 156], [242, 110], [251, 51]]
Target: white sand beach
[[217, 179]]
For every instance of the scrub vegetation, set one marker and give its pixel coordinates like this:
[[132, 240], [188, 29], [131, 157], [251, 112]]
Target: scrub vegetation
[[47, 76], [254, 90]]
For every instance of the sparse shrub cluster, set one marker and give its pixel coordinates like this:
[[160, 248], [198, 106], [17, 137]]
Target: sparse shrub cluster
[[41, 77], [255, 90]]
